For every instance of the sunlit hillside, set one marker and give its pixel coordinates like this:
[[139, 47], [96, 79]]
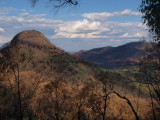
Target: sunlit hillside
[[40, 81]]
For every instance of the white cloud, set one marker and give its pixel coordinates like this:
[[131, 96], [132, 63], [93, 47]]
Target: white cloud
[[14, 24], [80, 29], [7, 10], [99, 29], [105, 15], [90, 28], [29, 16], [129, 12], [4, 39], [138, 35], [73, 29], [126, 35], [1, 30]]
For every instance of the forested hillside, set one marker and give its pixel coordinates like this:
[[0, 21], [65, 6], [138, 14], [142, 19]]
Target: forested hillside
[[40, 81]]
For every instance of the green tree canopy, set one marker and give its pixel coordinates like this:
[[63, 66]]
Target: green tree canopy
[[151, 16]]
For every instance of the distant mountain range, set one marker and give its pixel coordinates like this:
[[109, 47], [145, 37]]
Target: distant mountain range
[[114, 57]]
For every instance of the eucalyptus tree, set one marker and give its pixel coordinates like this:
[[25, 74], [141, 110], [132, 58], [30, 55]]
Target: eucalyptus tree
[[151, 16]]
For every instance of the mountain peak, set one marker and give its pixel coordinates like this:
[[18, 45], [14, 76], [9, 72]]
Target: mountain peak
[[32, 37]]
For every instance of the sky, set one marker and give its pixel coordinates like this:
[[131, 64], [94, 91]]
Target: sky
[[91, 24]]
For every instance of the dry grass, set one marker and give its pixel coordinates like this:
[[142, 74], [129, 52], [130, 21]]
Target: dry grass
[[53, 84], [40, 98]]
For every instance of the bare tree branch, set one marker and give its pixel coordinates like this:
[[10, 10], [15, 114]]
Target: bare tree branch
[[129, 103], [57, 3]]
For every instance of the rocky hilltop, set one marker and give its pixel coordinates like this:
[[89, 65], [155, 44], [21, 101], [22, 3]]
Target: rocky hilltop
[[32, 37]]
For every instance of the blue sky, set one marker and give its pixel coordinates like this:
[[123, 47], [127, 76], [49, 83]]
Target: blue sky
[[92, 24]]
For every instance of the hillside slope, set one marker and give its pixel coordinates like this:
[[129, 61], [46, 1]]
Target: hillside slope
[[39, 81], [114, 57], [34, 66], [33, 51]]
